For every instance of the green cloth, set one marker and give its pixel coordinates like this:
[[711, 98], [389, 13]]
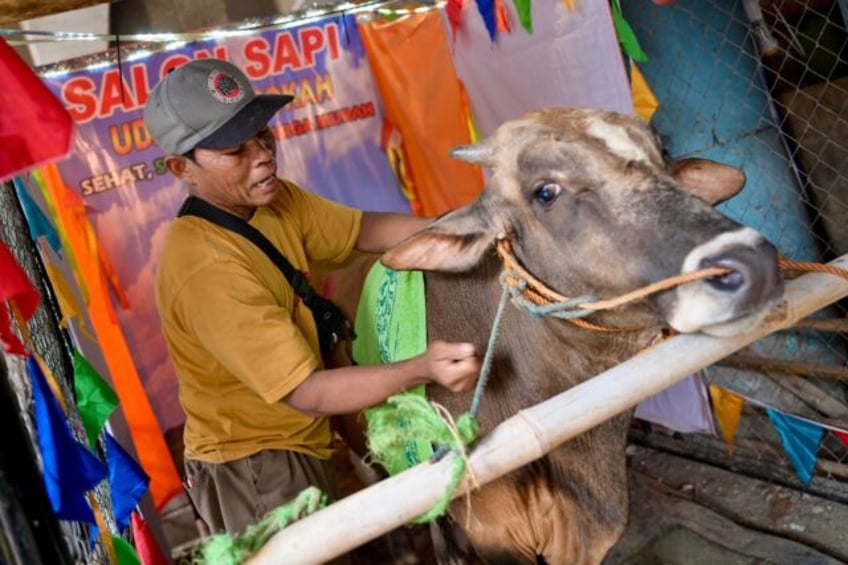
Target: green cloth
[[95, 398], [391, 326]]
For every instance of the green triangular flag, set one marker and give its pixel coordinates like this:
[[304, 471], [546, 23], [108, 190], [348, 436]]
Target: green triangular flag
[[626, 37], [124, 552], [523, 9], [95, 398]]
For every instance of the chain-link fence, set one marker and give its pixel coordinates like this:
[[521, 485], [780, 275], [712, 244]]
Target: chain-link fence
[[763, 84], [47, 340]]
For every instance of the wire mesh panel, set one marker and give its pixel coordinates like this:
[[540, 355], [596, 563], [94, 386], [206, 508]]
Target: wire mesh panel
[[47, 340], [763, 85]]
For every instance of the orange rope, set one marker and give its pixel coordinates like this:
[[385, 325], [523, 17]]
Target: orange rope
[[541, 294], [799, 266]]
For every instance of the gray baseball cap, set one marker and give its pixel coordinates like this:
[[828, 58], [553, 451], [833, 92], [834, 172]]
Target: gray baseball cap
[[207, 103]]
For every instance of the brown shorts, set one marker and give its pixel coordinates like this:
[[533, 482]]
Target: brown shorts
[[233, 495]]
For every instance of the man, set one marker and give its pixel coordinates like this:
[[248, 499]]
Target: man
[[245, 348]]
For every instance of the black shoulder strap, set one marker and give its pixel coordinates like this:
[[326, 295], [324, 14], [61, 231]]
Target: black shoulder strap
[[194, 206]]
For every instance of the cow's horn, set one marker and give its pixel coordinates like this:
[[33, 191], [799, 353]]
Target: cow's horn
[[478, 153]]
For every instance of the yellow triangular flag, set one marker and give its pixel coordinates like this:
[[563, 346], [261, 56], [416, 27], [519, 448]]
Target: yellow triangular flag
[[728, 409], [69, 306], [644, 101], [569, 4]]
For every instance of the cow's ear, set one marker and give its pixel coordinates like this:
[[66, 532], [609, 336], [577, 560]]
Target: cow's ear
[[455, 242], [708, 180]]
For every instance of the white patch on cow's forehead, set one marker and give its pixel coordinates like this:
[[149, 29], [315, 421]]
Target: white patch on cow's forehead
[[617, 138]]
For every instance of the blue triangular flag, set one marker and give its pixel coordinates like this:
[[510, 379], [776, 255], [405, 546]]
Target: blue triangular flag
[[70, 469], [128, 480], [800, 440], [487, 10], [38, 223]]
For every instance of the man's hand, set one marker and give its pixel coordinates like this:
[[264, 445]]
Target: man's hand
[[454, 366]]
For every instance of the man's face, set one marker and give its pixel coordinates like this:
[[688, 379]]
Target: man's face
[[238, 178]]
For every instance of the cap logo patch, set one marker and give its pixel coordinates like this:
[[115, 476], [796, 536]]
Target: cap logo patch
[[224, 87]]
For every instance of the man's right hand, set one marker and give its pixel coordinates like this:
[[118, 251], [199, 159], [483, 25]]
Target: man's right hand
[[454, 366]]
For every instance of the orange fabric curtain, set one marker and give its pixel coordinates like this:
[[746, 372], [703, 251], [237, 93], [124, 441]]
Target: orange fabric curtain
[[421, 95]]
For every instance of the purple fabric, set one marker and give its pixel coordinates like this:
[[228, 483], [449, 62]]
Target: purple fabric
[[682, 407], [572, 59]]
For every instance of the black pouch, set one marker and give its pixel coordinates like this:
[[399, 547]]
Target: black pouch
[[333, 326]]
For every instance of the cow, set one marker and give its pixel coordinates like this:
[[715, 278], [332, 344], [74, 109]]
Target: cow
[[590, 206]]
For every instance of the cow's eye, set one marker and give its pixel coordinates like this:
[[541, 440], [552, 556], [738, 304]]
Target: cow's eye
[[547, 193]]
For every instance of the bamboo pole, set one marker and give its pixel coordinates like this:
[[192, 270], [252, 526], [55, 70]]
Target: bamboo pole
[[532, 432]]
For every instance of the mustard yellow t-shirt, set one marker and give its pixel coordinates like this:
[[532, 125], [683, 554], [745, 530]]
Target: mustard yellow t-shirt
[[239, 338]]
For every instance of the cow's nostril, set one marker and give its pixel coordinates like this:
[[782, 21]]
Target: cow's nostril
[[728, 282], [738, 277]]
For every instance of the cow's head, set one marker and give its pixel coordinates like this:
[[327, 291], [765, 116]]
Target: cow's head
[[592, 207]]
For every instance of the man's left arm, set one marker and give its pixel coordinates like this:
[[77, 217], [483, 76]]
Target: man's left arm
[[380, 231]]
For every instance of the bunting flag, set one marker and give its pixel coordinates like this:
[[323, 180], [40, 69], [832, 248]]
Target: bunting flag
[[52, 209], [502, 17], [524, 16], [95, 398], [39, 224], [800, 439], [626, 36], [645, 103], [15, 286], [17, 290], [124, 553], [35, 127], [728, 410], [69, 306], [487, 10], [454, 11], [145, 544], [128, 482], [70, 470]]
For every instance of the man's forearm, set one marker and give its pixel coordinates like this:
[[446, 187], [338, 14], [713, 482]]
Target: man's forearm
[[380, 231], [351, 389]]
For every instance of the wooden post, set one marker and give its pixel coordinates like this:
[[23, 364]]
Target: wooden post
[[533, 432]]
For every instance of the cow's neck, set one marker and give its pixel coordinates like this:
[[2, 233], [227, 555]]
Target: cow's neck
[[534, 360]]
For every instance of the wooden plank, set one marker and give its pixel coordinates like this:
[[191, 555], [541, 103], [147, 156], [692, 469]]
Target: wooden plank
[[835, 325], [14, 11], [763, 463], [763, 364], [811, 394]]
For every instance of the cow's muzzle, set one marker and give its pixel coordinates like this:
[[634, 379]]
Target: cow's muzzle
[[733, 302]]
